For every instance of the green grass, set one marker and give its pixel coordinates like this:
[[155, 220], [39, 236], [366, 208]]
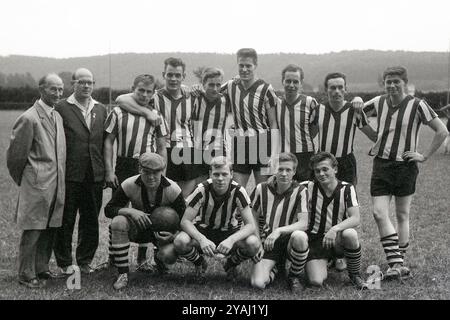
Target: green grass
[[428, 257]]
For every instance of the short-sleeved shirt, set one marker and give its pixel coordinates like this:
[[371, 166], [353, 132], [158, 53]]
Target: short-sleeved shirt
[[216, 212], [135, 135], [294, 121], [398, 127], [328, 211], [278, 210], [337, 128]]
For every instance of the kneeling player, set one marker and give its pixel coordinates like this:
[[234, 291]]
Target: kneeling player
[[212, 221], [278, 205], [334, 213], [146, 192]]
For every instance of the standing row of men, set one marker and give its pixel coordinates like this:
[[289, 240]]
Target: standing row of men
[[183, 127]]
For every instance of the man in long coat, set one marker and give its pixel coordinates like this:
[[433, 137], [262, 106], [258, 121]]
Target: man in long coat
[[36, 161]]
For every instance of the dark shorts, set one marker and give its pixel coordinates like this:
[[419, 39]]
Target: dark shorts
[[395, 178], [216, 236], [317, 250], [448, 124], [250, 153], [187, 169], [347, 169], [304, 171], [279, 251], [126, 167]]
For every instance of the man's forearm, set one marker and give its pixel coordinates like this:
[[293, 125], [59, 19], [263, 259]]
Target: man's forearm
[[243, 233]]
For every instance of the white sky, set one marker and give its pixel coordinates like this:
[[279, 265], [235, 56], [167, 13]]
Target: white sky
[[61, 28]]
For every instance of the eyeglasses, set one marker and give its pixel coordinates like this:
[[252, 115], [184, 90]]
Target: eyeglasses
[[85, 82]]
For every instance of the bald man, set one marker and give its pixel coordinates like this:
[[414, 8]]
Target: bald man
[[83, 119], [36, 161]]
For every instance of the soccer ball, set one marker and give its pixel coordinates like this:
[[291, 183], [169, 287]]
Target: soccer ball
[[165, 219]]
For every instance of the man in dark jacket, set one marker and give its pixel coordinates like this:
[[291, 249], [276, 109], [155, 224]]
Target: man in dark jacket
[[83, 119]]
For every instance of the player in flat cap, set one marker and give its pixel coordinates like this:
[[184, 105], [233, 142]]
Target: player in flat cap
[[146, 192]]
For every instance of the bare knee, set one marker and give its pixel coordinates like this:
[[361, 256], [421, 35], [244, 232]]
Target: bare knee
[[119, 223], [252, 245], [299, 240], [167, 254], [350, 235], [182, 243], [380, 214]]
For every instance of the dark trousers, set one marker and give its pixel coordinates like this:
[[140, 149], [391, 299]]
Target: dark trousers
[[35, 250], [85, 198]]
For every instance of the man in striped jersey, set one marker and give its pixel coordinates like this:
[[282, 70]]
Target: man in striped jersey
[[336, 123], [329, 229], [395, 169], [212, 222], [278, 205], [294, 115], [135, 136], [208, 120], [253, 104], [175, 106], [146, 191]]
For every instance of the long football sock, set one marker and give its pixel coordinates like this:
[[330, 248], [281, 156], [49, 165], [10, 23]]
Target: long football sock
[[403, 248], [193, 256], [298, 261], [391, 249], [353, 257]]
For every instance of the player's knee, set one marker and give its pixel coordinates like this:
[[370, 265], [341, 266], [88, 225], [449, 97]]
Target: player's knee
[[258, 283], [252, 243], [119, 223], [299, 240], [350, 235], [380, 214], [167, 254], [181, 243], [402, 215]]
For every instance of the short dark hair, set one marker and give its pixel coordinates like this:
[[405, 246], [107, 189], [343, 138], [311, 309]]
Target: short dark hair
[[220, 162], [146, 79], [322, 156], [288, 157], [248, 53], [292, 68], [334, 75], [211, 73], [174, 62], [396, 71]]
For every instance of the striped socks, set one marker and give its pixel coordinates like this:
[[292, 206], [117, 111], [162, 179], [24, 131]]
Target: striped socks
[[403, 248], [120, 254], [192, 256], [391, 249], [236, 258], [353, 257], [298, 261]]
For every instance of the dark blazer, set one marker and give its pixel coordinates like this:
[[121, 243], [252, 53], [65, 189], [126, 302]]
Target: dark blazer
[[84, 146]]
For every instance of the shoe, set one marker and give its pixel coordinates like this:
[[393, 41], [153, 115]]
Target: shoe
[[340, 264], [200, 269], [67, 271], [358, 282], [86, 269], [46, 275], [32, 283], [295, 285], [397, 271], [121, 282]]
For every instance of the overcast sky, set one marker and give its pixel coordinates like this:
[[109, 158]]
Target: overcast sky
[[61, 28]]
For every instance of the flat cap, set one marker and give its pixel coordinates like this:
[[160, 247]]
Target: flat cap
[[152, 161]]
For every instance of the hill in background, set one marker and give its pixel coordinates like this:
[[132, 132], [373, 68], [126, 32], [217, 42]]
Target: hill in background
[[427, 70]]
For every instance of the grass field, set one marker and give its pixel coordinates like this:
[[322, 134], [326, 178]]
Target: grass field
[[428, 257]]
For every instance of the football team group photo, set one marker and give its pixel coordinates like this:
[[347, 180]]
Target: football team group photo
[[227, 188]]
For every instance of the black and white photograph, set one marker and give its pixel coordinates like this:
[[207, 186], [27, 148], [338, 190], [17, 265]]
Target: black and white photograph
[[224, 156]]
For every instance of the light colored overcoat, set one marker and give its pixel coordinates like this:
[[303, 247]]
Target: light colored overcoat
[[36, 160]]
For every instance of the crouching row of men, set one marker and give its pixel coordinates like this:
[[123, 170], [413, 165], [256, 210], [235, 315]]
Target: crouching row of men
[[306, 223]]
